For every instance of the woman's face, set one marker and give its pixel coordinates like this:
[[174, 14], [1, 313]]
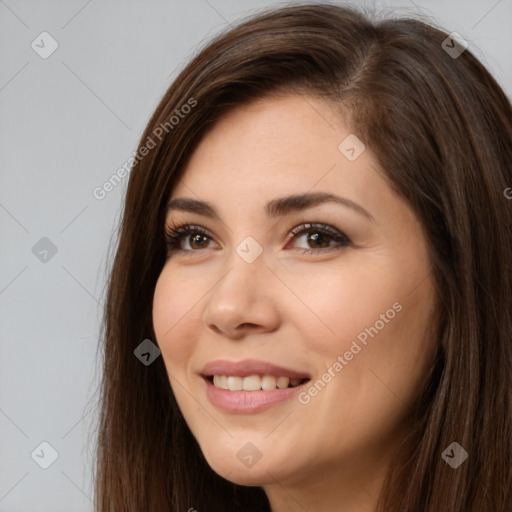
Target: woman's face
[[345, 303]]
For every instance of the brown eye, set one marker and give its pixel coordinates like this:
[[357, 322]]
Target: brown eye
[[320, 237], [198, 239], [195, 236]]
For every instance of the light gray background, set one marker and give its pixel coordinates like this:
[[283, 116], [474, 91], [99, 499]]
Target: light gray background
[[67, 123]]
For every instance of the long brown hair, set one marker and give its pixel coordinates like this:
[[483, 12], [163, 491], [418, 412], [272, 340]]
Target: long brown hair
[[441, 128]]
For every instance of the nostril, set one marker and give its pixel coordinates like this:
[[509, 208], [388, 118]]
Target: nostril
[[247, 325]]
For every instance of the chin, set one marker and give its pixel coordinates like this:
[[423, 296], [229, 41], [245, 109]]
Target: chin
[[232, 467], [253, 477]]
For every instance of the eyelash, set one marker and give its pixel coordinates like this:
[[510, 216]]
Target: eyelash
[[175, 234]]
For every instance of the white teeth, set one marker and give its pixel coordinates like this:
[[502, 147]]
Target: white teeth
[[220, 381], [235, 383], [253, 382], [282, 382], [268, 383]]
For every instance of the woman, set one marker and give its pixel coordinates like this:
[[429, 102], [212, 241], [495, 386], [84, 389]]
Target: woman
[[317, 238]]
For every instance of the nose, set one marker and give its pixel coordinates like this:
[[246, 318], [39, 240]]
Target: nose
[[243, 301]]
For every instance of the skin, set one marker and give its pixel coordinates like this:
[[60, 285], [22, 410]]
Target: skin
[[295, 309]]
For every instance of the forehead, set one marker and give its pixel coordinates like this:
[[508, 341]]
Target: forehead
[[277, 146]]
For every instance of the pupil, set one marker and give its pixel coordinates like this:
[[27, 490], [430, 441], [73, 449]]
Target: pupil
[[317, 238], [196, 239]]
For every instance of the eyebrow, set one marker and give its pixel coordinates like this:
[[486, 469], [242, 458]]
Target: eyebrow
[[275, 208]]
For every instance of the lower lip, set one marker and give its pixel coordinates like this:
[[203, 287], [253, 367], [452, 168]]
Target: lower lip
[[247, 401]]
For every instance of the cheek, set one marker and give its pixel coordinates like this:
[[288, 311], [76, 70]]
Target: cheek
[[336, 303], [388, 371], [173, 310], [375, 320]]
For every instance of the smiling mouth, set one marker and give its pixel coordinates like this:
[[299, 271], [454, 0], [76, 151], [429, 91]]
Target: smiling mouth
[[253, 382]]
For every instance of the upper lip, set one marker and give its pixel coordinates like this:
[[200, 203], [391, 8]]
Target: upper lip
[[250, 367]]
